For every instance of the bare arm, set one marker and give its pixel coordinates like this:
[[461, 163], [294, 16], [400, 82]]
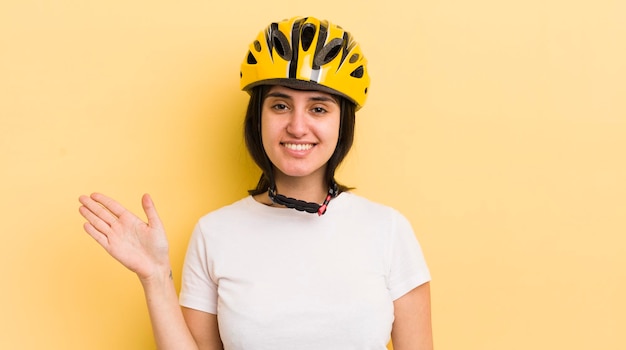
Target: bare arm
[[143, 248], [204, 328], [168, 325], [412, 328]]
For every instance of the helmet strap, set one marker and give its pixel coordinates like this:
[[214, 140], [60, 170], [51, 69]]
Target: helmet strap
[[300, 205]]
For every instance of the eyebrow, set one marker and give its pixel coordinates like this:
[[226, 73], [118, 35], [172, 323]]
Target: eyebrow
[[319, 98]]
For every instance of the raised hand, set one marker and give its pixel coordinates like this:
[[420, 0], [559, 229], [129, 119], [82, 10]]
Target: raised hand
[[141, 247]]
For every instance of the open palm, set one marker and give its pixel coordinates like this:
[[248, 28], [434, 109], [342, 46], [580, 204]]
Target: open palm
[[141, 247]]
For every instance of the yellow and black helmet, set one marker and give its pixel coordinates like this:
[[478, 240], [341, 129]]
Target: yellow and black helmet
[[308, 54]]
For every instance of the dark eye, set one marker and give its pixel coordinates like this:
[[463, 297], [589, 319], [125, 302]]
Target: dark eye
[[279, 107], [319, 110]]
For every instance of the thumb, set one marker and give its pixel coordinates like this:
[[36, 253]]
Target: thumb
[[150, 210]]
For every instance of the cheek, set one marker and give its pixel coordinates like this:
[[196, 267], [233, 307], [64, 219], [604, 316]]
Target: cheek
[[266, 133], [333, 132], [270, 135]]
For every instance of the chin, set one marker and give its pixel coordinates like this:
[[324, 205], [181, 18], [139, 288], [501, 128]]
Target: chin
[[299, 172], [296, 173]]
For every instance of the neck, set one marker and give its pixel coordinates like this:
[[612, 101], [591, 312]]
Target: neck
[[301, 205], [309, 189]]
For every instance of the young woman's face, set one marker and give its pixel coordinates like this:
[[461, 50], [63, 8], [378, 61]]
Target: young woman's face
[[300, 130]]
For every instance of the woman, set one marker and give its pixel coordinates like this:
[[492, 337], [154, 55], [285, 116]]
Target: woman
[[301, 263]]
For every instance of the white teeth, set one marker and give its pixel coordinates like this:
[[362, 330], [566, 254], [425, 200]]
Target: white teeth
[[298, 147]]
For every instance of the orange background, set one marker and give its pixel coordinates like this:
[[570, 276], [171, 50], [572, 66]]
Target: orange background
[[497, 127]]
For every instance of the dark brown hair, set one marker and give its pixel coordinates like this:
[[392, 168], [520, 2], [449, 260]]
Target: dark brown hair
[[254, 143]]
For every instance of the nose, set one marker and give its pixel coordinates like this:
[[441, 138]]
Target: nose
[[297, 125]]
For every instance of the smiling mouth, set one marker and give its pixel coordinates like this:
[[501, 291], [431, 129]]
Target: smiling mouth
[[298, 146]]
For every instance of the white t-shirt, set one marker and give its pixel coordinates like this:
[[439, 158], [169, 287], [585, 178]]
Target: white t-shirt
[[282, 279]]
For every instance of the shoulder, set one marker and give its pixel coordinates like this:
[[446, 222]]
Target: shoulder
[[365, 212], [224, 217], [349, 202], [230, 210]]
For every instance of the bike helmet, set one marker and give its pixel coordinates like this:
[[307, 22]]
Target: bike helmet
[[306, 53]]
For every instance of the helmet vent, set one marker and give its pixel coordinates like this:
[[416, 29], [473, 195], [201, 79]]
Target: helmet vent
[[257, 46], [281, 44], [307, 35], [354, 58], [251, 59], [328, 52], [357, 73]]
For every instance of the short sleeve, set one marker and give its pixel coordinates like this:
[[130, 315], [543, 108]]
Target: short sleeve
[[408, 267], [198, 289]]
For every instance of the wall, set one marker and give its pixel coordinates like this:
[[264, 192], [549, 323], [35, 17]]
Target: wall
[[497, 127]]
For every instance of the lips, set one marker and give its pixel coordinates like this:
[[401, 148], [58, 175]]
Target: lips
[[298, 146]]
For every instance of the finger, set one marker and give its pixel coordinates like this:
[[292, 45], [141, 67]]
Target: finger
[[94, 220], [98, 209], [109, 203], [150, 210], [101, 238]]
